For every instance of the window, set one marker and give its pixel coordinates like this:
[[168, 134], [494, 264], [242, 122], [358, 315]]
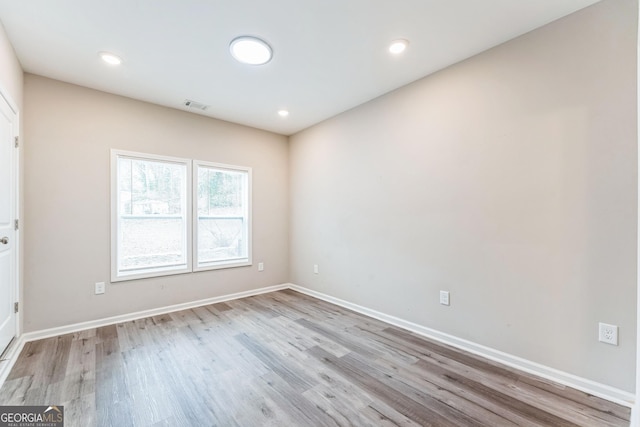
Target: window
[[150, 215], [222, 225], [158, 221]]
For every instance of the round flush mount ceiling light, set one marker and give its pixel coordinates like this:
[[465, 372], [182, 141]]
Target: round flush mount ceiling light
[[250, 50], [283, 113], [110, 58], [398, 46]]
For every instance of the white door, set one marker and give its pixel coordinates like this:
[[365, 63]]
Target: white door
[[8, 233]]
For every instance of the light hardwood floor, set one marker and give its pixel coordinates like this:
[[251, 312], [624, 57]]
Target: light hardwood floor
[[283, 359]]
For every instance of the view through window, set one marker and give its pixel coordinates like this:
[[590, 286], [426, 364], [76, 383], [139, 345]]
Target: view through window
[[222, 226]]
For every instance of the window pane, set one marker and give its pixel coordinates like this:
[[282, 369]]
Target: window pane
[[222, 215], [150, 242], [152, 227]]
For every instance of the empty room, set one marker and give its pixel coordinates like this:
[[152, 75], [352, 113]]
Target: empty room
[[319, 213]]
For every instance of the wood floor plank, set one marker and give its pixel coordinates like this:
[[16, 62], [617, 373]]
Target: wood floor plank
[[438, 400], [329, 313], [309, 338], [61, 352], [263, 327], [347, 400], [283, 359], [302, 411], [14, 392], [146, 388], [487, 375], [29, 360], [427, 379], [80, 412], [217, 349], [105, 333], [383, 415], [341, 388], [342, 413], [80, 371], [251, 405], [581, 398], [221, 306], [182, 383], [400, 402], [360, 346], [254, 306], [417, 372], [294, 377], [113, 401]]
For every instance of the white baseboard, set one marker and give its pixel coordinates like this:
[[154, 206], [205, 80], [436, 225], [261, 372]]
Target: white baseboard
[[16, 347], [601, 390], [76, 327], [635, 417], [588, 386]]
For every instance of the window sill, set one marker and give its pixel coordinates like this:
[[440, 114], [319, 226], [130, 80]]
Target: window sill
[[156, 272], [243, 262]]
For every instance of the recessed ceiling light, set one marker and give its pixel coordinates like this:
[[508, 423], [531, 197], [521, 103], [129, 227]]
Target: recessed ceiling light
[[250, 50], [110, 58], [398, 46], [283, 113]]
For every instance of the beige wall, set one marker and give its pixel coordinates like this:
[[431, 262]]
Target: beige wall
[[508, 179], [70, 131]]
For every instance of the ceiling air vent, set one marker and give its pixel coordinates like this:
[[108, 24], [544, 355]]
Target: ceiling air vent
[[196, 105]]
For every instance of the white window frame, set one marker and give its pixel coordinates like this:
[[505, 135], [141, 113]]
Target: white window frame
[[243, 262], [115, 203]]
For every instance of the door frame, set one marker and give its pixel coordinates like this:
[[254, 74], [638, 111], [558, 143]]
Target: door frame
[[635, 411], [5, 97]]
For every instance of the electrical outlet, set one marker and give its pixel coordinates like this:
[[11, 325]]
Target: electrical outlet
[[100, 288], [315, 269], [444, 297], [261, 266], [608, 334]]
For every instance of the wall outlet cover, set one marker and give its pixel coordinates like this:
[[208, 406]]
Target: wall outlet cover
[[608, 334], [444, 297], [100, 288]]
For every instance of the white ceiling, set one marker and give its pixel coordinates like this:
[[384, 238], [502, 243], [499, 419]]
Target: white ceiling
[[329, 55]]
